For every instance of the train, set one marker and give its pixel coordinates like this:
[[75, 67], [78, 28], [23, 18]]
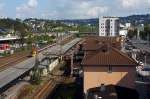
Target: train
[[4, 47], [33, 52]]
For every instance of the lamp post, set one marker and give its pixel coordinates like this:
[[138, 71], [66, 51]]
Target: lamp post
[[145, 59]]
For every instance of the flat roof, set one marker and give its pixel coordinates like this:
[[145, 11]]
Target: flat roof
[[14, 72]]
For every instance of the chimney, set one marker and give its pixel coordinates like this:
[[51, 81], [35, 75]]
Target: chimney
[[102, 88]]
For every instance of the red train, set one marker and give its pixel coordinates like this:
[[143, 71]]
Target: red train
[[4, 46]]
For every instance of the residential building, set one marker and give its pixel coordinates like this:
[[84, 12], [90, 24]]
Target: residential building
[[104, 63], [123, 32], [109, 26], [128, 25]]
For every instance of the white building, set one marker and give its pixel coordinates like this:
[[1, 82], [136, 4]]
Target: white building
[[128, 25], [109, 26], [123, 32]]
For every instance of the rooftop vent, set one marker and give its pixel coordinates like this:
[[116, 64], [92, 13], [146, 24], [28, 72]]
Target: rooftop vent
[[105, 48], [102, 88]]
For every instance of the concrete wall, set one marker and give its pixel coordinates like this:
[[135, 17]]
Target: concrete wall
[[122, 76]]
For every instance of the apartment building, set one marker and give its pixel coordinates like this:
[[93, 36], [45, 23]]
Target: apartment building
[[108, 26]]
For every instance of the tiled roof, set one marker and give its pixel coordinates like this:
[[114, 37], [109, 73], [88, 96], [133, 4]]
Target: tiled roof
[[94, 43], [105, 54]]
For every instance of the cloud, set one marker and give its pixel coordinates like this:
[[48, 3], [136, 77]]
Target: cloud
[[96, 11], [65, 9], [78, 8], [89, 9], [134, 4], [27, 8]]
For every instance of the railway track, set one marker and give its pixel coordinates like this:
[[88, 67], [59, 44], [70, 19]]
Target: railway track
[[48, 86], [13, 59], [43, 91]]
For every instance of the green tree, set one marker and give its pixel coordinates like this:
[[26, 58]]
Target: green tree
[[30, 40], [132, 33], [23, 33], [146, 32]]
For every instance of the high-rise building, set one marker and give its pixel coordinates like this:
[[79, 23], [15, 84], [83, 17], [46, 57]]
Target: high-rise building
[[109, 26]]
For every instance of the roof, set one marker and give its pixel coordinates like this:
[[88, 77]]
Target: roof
[[14, 72], [113, 92], [95, 42], [104, 53], [112, 57]]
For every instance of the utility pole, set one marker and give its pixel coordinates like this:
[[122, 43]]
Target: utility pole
[[72, 58], [148, 39], [60, 48], [145, 59]]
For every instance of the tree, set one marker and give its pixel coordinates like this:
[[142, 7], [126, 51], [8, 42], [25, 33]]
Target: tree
[[30, 40], [132, 33], [22, 34], [146, 32]]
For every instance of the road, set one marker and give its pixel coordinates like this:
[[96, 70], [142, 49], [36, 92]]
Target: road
[[16, 71]]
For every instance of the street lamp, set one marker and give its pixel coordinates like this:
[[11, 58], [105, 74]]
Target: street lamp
[[145, 59]]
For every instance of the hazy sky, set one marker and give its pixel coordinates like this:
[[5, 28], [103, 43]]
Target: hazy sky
[[72, 9]]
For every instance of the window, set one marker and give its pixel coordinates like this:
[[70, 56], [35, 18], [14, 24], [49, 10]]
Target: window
[[109, 69]]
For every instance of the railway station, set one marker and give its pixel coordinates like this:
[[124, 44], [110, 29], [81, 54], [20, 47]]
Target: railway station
[[22, 69]]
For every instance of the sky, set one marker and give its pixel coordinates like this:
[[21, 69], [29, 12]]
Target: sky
[[72, 9]]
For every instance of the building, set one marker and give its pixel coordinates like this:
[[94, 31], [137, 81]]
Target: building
[[109, 26], [128, 25], [112, 92], [104, 63], [123, 32]]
